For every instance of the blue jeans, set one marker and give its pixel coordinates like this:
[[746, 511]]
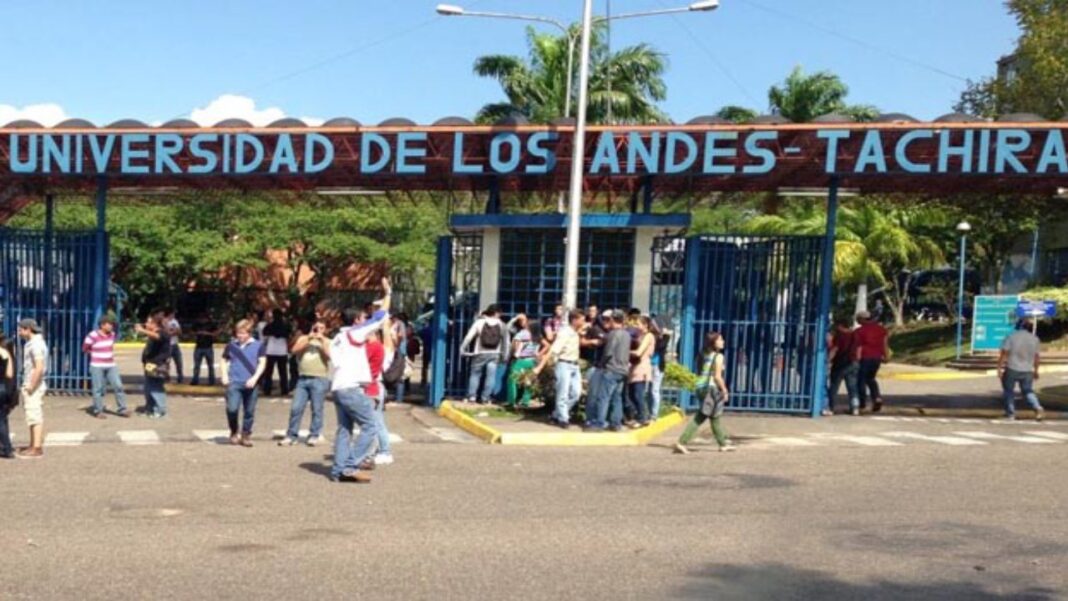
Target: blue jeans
[[5, 433], [176, 355], [206, 355], [478, 362], [308, 388], [610, 400], [101, 377], [1026, 381], [354, 408], [380, 424], [155, 396], [848, 373], [237, 394], [593, 392], [638, 401], [568, 389], [655, 392]]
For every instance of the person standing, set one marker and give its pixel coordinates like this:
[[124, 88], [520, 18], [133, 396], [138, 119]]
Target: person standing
[[381, 353], [276, 340], [712, 388], [399, 335], [100, 346], [844, 367], [313, 356], [552, 325], [351, 383], [614, 368], [641, 372], [525, 347], [204, 350], [490, 341], [565, 352], [1018, 365], [243, 363], [8, 396], [155, 358], [34, 370], [174, 332], [872, 343], [590, 344]]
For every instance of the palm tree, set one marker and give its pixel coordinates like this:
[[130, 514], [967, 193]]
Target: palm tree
[[736, 114], [873, 243], [802, 98], [630, 81]]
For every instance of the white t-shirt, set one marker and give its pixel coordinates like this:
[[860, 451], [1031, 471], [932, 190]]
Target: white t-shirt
[[277, 346], [348, 354]]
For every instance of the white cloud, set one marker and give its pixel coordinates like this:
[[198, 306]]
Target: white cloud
[[47, 114], [232, 106]]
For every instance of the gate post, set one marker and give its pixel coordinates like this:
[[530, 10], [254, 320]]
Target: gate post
[[691, 278], [819, 384], [440, 321], [100, 267]]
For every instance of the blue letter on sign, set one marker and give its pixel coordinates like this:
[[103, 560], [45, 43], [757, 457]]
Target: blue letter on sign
[[458, 165], [311, 141], [671, 164], [496, 162], [129, 153], [211, 159], [404, 152], [369, 140]]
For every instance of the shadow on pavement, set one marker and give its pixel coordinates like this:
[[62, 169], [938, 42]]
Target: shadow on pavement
[[319, 469], [783, 583]]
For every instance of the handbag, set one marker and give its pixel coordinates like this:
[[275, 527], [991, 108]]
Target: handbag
[[158, 370]]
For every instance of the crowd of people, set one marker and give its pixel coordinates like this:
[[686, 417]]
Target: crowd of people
[[623, 351]]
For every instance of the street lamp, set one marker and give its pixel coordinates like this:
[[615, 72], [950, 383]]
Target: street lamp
[[579, 142], [963, 228]]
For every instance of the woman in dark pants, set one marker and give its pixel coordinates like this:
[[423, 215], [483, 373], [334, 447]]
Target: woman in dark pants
[[8, 396]]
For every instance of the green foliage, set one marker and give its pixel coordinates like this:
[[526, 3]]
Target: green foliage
[[801, 97], [628, 82], [677, 376], [1039, 66], [737, 114]]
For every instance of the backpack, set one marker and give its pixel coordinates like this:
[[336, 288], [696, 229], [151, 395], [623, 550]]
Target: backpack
[[396, 370], [415, 346], [490, 336]]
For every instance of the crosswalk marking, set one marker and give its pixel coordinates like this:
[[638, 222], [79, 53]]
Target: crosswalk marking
[[789, 441], [1023, 439], [65, 439], [1044, 434], [960, 420], [867, 441], [955, 441], [138, 437]]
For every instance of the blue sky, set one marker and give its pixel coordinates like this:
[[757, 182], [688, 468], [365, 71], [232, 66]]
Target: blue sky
[[375, 59]]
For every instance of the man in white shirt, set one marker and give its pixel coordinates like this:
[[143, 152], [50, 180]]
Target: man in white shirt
[[565, 351], [33, 387], [350, 378], [490, 337]]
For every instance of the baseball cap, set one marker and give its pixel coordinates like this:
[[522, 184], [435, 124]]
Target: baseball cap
[[30, 324]]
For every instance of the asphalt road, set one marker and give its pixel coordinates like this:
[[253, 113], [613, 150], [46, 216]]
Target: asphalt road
[[183, 518]]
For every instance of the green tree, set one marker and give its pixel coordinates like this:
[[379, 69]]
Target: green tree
[[1035, 75], [803, 97], [628, 83], [875, 243], [737, 114]]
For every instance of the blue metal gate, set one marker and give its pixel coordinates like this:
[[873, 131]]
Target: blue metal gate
[[55, 278], [763, 295], [457, 292]]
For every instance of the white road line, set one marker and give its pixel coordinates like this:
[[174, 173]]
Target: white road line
[[789, 441], [138, 437], [212, 436], [867, 441], [946, 440], [885, 418], [1044, 434], [65, 439], [1023, 439]]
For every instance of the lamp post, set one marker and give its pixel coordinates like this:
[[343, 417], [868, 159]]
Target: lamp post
[[579, 141], [963, 228]]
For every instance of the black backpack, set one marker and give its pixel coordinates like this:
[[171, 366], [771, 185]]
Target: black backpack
[[490, 336], [395, 373]]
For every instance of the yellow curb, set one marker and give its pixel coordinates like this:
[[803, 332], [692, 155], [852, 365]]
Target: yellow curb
[[587, 439], [1042, 369], [934, 376], [469, 424], [660, 426]]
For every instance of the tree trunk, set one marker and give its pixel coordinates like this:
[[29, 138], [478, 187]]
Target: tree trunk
[[862, 298]]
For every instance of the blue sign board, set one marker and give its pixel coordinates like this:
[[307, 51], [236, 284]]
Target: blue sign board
[[993, 319], [1036, 308]]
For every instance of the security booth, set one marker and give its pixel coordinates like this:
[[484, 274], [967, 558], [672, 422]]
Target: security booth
[[769, 296]]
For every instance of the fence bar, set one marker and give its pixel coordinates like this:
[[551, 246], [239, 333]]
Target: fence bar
[[819, 388]]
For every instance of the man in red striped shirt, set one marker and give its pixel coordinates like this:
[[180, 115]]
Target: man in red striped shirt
[[100, 346]]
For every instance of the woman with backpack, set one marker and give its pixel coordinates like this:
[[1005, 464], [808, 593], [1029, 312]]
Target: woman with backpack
[[712, 388], [8, 396], [489, 336]]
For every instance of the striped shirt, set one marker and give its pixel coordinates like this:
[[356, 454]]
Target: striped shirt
[[101, 348]]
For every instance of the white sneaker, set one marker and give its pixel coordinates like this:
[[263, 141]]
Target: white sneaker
[[286, 442], [827, 413], [384, 459], [315, 440], [728, 448]]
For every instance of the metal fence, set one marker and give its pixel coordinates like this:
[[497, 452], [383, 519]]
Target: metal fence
[[457, 292], [762, 294], [52, 277]]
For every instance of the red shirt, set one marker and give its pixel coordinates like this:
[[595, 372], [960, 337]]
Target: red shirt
[[376, 356], [844, 344], [871, 338]]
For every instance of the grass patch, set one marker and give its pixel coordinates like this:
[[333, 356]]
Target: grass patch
[[927, 344]]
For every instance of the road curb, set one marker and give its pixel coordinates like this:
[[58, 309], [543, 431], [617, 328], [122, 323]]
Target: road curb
[[469, 424]]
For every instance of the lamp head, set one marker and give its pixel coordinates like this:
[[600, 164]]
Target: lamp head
[[450, 10], [964, 227], [704, 5]]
